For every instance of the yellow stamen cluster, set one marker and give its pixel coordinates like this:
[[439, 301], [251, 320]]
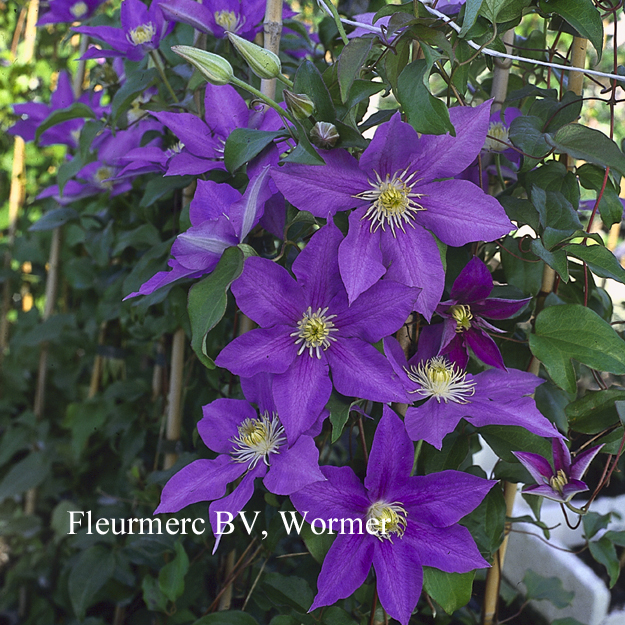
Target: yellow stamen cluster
[[442, 380], [314, 331], [391, 201], [462, 314], [497, 137], [101, 176], [142, 34], [558, 481], [257, 438], [229, 20], [386, 519], [78, 9]]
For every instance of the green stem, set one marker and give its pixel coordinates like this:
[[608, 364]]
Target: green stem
[[284, 80], [161, 71], [579, 511], [261, 96], [337, 20]]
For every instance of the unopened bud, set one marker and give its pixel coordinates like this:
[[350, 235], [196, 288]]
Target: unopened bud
[[264, 63], [299, 104], [324, 134], [212, 66]]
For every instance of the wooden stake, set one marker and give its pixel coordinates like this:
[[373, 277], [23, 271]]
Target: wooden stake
[[272, 26], [174, 414]]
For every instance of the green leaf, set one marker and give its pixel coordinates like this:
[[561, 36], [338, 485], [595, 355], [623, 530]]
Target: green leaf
[[308, 80], [594, 522], [208, 299], [618, 538], [471, 11], [78, 110], [171, 576], [523, 269], [556, 260], [450, 590], [292, 591], [599, 259], [317, 544], [60, 521], [154, 599], [350, 63], [94, 568], [604, 552], [582, 16], [26, 474], [135, 84], [424, 112], [451, 455], [571, 331], [588, 144], [54, 218], [539, 588], [244, 144], [304, 153], [486, 522], [595, 412], [526, 133], [492, 8], [505, 439], [161, 187], [552, 402], [339, 408], [230, 617]]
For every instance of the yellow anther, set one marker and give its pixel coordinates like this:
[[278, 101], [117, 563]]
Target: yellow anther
[[142, 34], [462, 314]]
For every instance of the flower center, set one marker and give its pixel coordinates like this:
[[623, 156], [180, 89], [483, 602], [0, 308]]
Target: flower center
[[558, 481], [142, 34], [78, 9], [229, 20], [257, 439], [314, 330], [462, 314], [497, 137], [391, 201], [442, 380], [386, 519], [101, 176]]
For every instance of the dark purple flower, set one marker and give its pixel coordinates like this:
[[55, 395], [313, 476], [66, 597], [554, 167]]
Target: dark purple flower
[[406, 523], [141, 31], [68, 11], [465, 315], [562, 481], [493, 397], [220, 218], [308, 330], [399, 203], [218, 17], [249, 445]]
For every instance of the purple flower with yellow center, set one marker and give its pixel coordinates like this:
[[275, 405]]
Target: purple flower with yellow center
[[493, 397], [562, 481], [399, 202], [465, 314], [308, 331], [142, 30], [401, 523], [218, 17], [250, 445], [68, 11]]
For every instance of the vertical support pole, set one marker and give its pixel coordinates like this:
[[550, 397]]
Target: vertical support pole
[[174, 415]]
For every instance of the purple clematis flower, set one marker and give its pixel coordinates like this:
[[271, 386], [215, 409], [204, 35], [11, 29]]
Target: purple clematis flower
[[493, 397], [465, 315], [250, 445], [399, 203], [68, 11], [308, 329], [220, 218], [142, 30], [218, 17], [412, 521], [564, 480]]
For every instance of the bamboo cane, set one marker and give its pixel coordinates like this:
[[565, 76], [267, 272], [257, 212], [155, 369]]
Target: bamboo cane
[[174, 414], [272, 27]]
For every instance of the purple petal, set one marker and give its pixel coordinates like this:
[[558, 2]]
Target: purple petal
[[221, 421], [573, 488], [538, 467], [360, 256], [500, 386], [192, 131], [474, 283], [399, 576], [163, 278], [495, 308], [429, 343], [561, 456], [202, 480], [317, 269], [268, 295], [201, 247], [582, 462], [249, 209], [450, 549], [185, 164], [224, 109], [458, 212], [395, 355], [291, 469], [301, 393], [391, 457], [413, 259], [444, 156], [433, 420], [547, 492], [188, 12], [484, 347], [269, 350], [359, 370], [133, 13], [114, 37], [325, 189], [257, 390], [211, 201], [344, 569], [456, 350]]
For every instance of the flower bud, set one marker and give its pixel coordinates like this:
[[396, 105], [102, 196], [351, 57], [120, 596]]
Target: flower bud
[[299, 104], [324, 135], [213, 67], [264, 63]]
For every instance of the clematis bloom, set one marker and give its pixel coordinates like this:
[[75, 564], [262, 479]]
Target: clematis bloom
[[413, 521], [562, 481]]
